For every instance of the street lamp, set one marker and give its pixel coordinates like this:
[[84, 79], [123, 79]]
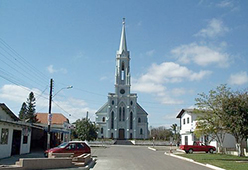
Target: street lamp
[[49, 112], [68, 87]]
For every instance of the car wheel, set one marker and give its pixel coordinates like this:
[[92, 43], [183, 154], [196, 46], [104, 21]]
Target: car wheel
[[211, 150], [186, 151], [190, 151]]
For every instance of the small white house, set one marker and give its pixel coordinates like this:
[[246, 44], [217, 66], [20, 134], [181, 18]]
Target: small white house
[[188, 124], [15, 136]]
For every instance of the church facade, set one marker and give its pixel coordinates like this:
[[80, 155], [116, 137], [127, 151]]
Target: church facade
[[121, 117]]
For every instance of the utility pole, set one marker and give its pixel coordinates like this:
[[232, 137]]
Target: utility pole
[[49, 117], [87, 113]]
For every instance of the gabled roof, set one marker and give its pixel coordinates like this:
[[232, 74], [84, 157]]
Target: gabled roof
[[9, 112], [57, 118], [103, 109], [140, 109], [184, 110]]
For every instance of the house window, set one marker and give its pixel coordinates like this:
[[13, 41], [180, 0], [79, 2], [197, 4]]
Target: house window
[[139, 120], [184, 121], [141, 131], [103, 119], [101, 130], [4, 136], [188, 120], [25, 139]]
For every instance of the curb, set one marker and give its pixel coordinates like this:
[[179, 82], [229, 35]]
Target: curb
[[191, 160], [90, 165], [153, 149]]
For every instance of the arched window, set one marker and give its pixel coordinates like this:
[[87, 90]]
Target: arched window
[[120, 114], [103, 119], [101, 130], [112, 120], [123, 113], [141, 131], [139, 120], [131, 120], [122, 71]]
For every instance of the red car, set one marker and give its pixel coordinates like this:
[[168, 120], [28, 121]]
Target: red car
[[196, 147], [76, 147]]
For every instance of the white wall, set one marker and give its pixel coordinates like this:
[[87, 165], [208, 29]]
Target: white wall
[[5, 149]]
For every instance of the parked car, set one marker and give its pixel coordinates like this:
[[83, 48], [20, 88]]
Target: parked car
[[197, 147], [76, 147]]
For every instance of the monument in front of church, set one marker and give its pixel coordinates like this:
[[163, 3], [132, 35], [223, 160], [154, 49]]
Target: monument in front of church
[[121, 117]]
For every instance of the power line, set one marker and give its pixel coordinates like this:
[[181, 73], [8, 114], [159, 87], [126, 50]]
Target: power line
[[69, 114], [23, 60]]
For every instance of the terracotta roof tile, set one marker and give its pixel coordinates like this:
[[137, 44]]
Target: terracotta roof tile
[[57, 118]]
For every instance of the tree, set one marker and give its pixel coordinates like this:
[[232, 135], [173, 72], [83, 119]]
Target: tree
[[236, 109], [23, 111], [211, 116], [85, 130], [174, 129], [31, 117], [161, 133]]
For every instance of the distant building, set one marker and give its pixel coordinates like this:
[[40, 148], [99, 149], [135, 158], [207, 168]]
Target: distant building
[[15, 136], [188, 123], [60, 127], [121, 117]]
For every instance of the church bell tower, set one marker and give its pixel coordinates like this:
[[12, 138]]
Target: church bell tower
[[122, 72]]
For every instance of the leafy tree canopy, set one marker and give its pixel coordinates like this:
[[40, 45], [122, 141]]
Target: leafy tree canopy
[[85, 130]]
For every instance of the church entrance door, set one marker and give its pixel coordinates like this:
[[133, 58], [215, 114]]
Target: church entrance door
[[121, 134]]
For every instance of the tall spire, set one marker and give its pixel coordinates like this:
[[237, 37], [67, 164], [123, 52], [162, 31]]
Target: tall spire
[[123, 43]]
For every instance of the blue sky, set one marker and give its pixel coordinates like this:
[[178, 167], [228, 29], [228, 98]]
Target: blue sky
[[177, 48]]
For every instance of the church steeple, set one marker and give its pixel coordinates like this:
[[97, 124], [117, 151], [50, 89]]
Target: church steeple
[[123, 43], [122, 73]]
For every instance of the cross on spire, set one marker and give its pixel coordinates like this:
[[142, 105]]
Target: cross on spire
[[123, 43]]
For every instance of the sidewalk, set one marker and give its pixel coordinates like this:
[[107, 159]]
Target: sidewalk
[[13, 159]]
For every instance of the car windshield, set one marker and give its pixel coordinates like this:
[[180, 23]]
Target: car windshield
[[62, 145]]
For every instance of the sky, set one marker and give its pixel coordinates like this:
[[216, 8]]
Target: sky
[[178, 50]]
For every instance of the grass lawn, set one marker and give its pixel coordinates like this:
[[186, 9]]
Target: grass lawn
[[227, 162]]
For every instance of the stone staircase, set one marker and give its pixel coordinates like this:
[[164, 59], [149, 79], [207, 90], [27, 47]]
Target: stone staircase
[[123, 142]]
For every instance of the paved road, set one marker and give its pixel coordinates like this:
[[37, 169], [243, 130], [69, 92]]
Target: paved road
[[119, 157]]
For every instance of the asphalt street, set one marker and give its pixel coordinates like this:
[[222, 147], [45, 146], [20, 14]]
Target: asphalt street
[[118, 157]]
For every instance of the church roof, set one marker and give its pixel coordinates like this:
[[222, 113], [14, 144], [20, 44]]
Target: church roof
[[103, 109], [140, 109], [123, 42]]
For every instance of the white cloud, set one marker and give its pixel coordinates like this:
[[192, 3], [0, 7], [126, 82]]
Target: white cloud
[[18, 94], [168, 72], [201, 55], [103, 78], [14, 93], [178, 91], [225, 4], [214, 28], [150, 53], [239, 78], [52, 70]]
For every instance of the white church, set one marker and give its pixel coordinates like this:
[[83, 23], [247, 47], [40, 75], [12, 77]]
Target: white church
[[121, 117]]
